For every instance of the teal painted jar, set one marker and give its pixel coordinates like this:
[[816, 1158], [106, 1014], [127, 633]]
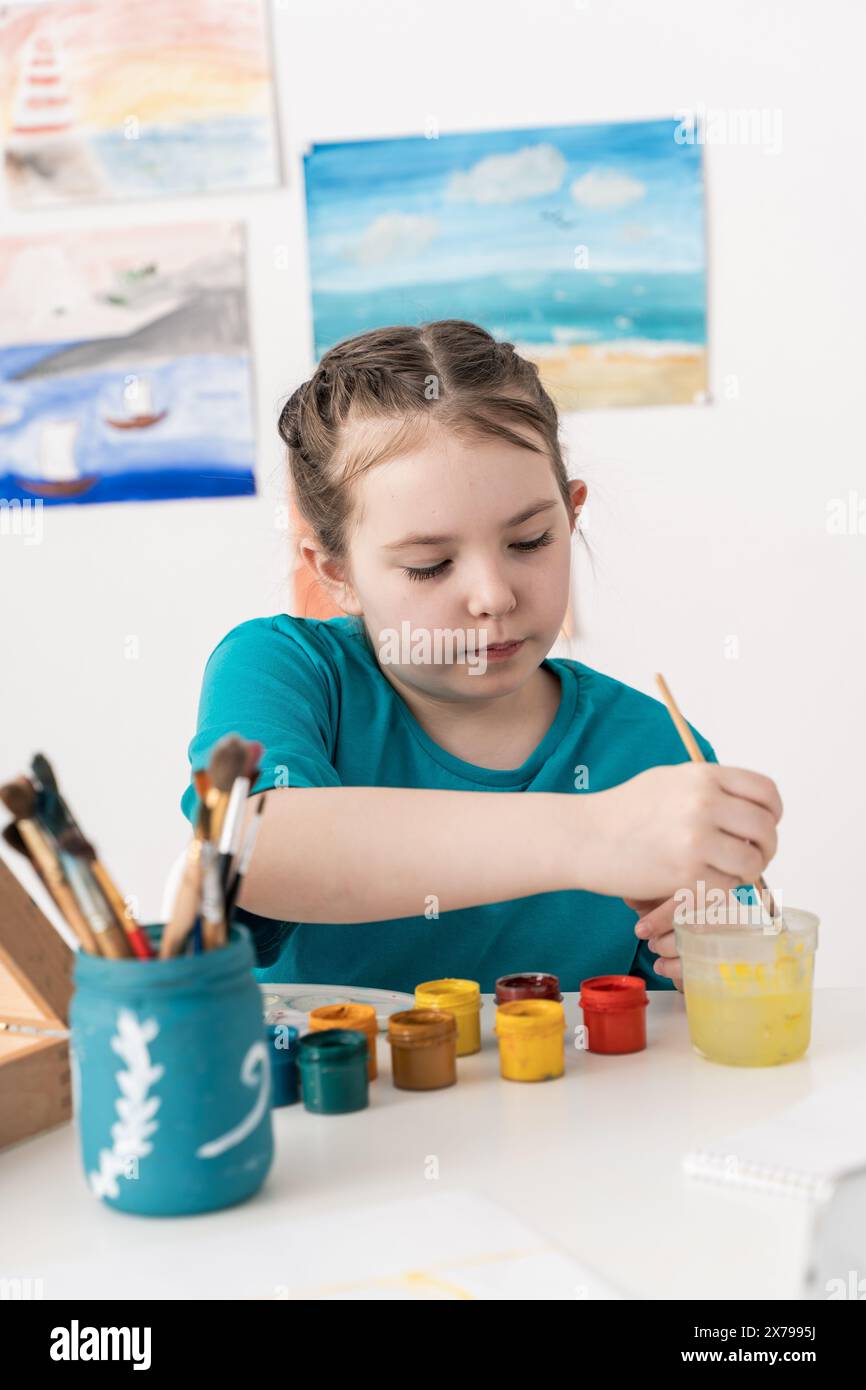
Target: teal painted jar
[[171, 1079], [333, 1067], [283, 1051]]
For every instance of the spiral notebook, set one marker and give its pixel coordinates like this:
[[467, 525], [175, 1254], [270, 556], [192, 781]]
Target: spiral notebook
[[804, 1151]]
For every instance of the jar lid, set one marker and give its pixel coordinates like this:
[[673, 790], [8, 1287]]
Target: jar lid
[[447, 994], [611, 993], [525, 1015], [333, 1047], [527, 986], [343, 1016], [421, 1026]]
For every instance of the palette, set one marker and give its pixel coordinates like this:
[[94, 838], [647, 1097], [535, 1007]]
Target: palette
[[292, 1003]]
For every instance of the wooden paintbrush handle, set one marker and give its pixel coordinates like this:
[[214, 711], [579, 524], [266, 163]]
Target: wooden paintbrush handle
[[47, 864], [185, 909], [136, 935]]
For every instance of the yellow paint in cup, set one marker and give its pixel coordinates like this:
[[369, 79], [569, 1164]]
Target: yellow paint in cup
[[462, 998], [748, 990], [531, 1034]]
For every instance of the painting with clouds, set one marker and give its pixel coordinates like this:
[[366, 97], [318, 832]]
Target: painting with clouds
[[583, 245]]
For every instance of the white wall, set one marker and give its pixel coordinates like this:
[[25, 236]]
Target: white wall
[[706, 522]]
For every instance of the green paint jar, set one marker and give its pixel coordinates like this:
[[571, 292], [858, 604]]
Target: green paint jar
[[333, 1067]]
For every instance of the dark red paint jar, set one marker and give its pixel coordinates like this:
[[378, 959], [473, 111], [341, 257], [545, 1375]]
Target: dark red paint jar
[[528, 986], [614, 1011]]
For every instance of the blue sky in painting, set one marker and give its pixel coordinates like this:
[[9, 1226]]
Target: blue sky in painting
[[518, 202]]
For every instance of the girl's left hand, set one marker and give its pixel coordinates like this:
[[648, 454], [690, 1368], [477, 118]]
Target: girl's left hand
[[656, 927]]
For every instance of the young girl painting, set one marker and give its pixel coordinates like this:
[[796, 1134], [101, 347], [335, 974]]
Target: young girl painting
[[444, 798]]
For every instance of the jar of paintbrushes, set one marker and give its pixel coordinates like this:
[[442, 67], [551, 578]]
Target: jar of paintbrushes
[[170, 1067]]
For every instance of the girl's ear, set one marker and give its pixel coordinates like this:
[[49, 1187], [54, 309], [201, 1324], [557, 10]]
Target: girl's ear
[[578, 490], [329, 575]]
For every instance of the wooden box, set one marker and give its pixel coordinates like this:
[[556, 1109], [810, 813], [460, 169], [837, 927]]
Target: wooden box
[[35, 990]]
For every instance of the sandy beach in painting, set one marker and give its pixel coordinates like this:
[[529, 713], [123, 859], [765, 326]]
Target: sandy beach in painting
[[583, 376]]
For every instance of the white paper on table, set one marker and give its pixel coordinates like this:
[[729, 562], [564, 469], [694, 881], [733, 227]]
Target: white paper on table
[[448, 1246]]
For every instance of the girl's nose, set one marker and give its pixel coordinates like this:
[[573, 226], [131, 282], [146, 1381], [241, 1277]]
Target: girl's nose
[[491, 597]]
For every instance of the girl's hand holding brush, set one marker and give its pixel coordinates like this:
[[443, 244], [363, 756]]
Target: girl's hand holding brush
[[674, 826]]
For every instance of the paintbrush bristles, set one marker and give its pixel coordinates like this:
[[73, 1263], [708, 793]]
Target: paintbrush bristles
[[19, 798], [227, 761]]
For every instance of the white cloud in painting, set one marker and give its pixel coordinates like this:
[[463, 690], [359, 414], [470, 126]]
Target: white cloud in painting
[[393, 236], [509, 178], [605, 188]]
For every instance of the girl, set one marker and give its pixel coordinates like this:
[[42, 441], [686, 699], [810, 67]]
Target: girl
[[396, 846]]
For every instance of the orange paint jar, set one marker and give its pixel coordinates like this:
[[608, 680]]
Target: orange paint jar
[[614, 1011], [360, 1017]]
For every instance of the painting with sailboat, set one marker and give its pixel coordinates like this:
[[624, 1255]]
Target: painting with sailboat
[[125, 371], [104, 99]]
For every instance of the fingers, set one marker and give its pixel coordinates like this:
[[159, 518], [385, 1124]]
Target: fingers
[[668, 963], [749, 822], [752, 786], [670, 970], [659, 919], [734, 859]]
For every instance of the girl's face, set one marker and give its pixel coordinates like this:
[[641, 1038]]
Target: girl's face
[[461, 539]]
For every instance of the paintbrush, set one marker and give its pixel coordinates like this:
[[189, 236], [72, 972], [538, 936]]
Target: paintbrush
[[42, 853], [244, 863], [22, 798], [232, 824], [694, 752], [71, 837]]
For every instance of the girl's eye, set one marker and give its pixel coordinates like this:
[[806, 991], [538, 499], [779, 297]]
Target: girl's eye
[[544, 539], [523, 546], [429, 573]]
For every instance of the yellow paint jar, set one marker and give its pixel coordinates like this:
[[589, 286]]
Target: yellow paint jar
[[462, 998], [748, 989], [531, 1034]]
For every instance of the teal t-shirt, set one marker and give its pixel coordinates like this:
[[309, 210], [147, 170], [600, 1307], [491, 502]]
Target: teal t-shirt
[[313, 693]]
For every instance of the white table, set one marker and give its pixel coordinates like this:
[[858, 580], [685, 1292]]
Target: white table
[[590, 1161]]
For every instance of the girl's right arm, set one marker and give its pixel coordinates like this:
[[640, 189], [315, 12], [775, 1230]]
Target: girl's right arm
[[362, 854]]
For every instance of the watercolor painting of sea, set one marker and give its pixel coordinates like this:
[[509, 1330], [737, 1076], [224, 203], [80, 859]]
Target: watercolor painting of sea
[[125, 366], [115, 99], [583, 245]]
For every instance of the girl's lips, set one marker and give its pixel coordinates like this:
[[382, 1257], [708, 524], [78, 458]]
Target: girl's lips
[[503, 649]]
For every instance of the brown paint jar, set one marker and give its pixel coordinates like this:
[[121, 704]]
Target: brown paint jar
[[423, 1049]]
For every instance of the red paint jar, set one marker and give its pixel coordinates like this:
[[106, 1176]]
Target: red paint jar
[[614, 1011], [528, 986]]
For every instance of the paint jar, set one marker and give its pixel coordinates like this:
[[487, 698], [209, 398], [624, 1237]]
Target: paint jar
[[333, 1067], [614, 1011], [748, 989], [528, 986], [462, 998], [171, 1078], [360, 1017], [282, 1041], [423, 1049], [531, 1034]]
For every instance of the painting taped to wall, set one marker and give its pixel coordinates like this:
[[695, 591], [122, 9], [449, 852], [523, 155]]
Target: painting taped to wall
[[583, 245], [106, 99], [125, 370]]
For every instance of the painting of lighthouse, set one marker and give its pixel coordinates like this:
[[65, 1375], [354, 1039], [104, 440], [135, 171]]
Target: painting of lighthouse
[[125, 371], [105, 99]]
